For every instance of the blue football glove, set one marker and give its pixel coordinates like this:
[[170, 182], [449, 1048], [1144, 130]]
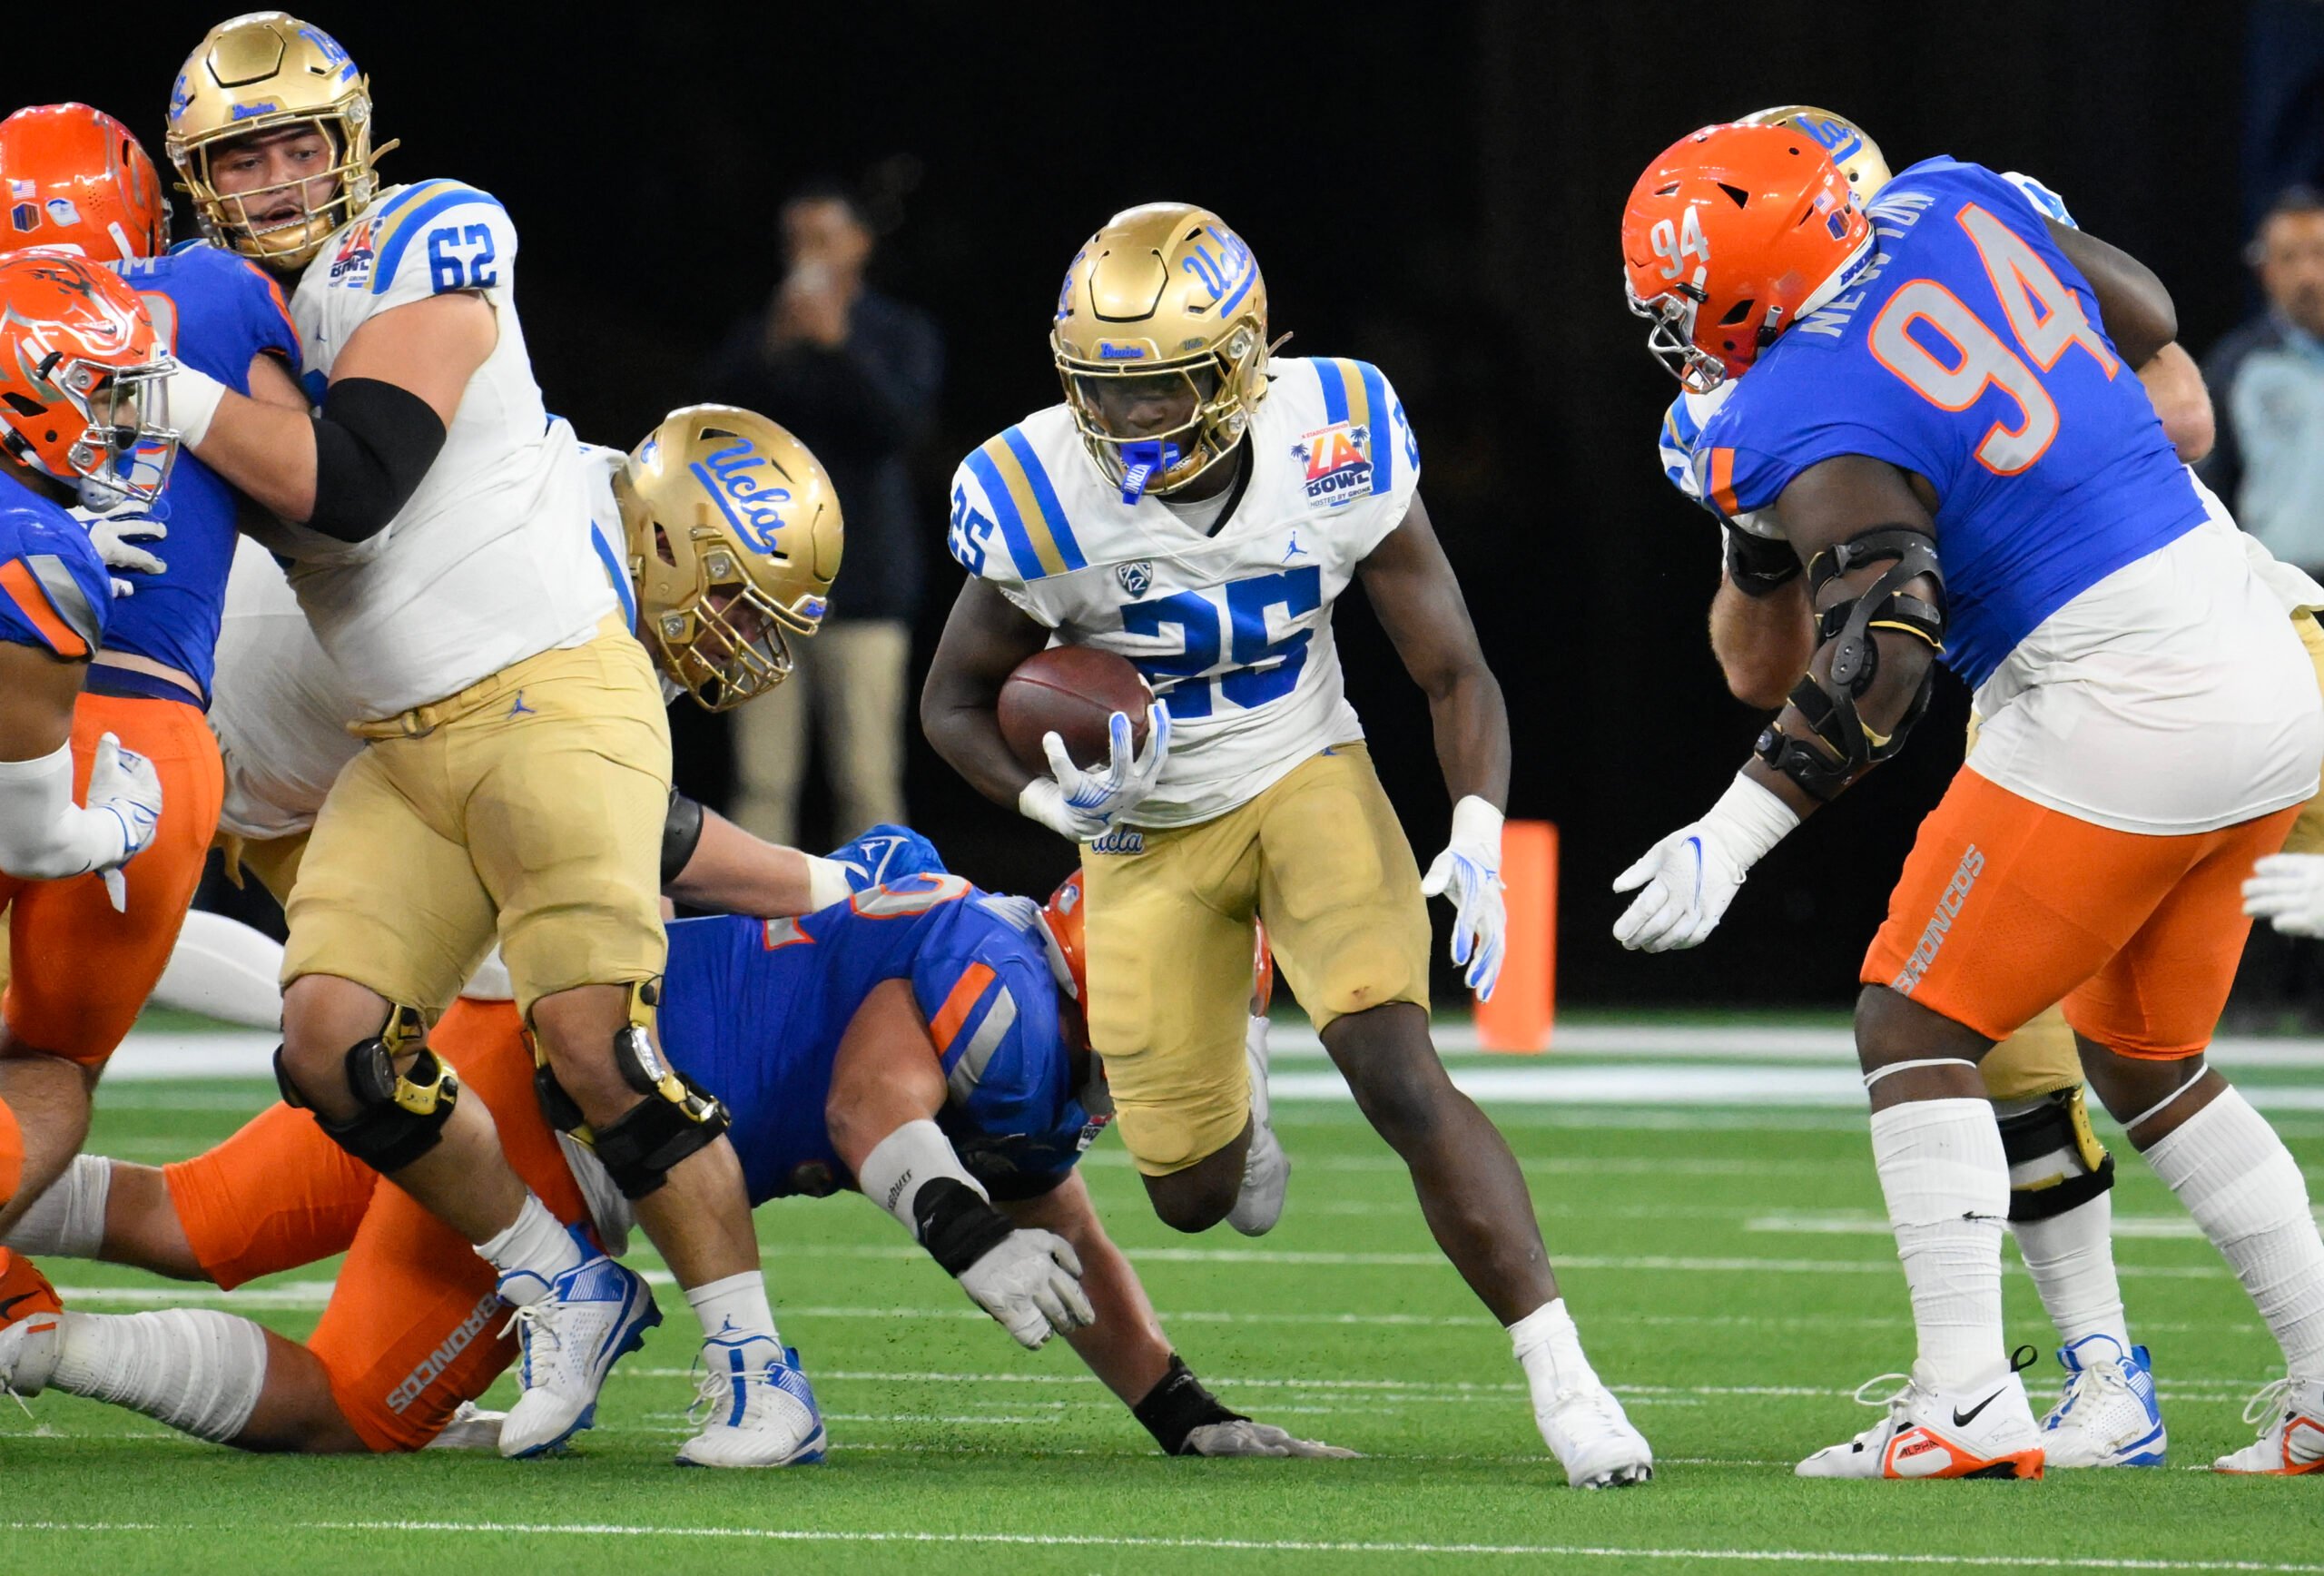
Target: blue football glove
[[884, 853]]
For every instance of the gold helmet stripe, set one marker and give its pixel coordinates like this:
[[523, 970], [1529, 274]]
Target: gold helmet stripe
[[1032, 521], [1354, 391]]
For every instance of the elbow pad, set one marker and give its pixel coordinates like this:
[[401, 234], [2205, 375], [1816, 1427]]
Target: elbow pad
[[1843, 746], [373, 443], [44, 835], [681, 835], [1758, 566]]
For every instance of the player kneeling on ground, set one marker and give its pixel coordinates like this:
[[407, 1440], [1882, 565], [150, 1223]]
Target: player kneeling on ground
[[923, 1037]]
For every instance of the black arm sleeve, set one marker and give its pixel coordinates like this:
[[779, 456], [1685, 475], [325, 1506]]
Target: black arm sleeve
[[373, 443], [681, 835]]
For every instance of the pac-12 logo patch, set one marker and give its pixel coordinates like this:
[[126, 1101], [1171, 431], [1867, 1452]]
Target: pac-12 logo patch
[[1338, 461], [1134, 576]]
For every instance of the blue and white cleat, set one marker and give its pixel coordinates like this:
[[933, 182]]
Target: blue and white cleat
[[571, 1332], [2107, 1415], [756, 1407]]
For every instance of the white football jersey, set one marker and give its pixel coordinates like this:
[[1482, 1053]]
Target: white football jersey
[[281, 704], [489, 562], [1233, 628]]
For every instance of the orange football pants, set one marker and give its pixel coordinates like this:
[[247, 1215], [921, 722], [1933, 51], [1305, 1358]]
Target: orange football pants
[[413, 1328], [79, 972], [2005, 906]]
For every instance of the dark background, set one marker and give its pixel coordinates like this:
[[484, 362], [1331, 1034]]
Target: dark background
[[1434, 188]]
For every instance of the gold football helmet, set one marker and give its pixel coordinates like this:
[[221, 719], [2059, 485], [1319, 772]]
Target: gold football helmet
[[1165, 301], [1857, 154], [261, 72], [734, 536]]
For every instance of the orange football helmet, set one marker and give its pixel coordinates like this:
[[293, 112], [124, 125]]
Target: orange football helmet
[[1731, 235], [84, 381], [78, 181], [1062, 918]]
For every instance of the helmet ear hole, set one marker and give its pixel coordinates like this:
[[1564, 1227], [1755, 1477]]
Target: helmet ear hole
[[1739, 197], [1737, 312]]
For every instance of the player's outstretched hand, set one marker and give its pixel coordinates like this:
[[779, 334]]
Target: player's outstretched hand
[[2287, 889], [115, 537], [1244, 1437], [1685, 882], [1099, 795], [1031, 1283], [123, 784], [1469, 872]]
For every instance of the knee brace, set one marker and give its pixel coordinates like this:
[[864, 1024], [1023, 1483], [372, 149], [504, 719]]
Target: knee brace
[[677, 1117], [2056, 1161], [401, 1116]]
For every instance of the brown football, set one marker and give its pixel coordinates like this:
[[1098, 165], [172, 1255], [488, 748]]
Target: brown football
[[1073, 692]]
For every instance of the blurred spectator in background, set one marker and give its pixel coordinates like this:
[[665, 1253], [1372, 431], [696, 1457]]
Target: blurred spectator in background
[[2267, 379], [855, 375]]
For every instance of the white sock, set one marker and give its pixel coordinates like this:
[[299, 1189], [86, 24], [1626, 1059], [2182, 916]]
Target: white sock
[[1549, 1348], [2244, 1189], [1946, 1181], [2070, 1257], [195, 1369], [67, 1221], [735, 1308], [534, 1245], [223, 969]]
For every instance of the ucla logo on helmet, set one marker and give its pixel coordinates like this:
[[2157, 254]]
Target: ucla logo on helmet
[[329, 48], [1223, 263], [750, 505], [1134, 576], [1337, 462]]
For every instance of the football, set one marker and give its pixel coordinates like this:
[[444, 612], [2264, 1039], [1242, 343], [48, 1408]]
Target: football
[[1072, 691]]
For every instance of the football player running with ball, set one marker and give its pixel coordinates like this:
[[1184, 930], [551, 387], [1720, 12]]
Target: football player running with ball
[[517, 774], [1196, 507]]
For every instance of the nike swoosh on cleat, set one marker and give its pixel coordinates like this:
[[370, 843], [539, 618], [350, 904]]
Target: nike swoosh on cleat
[[1964, 1419], [7, 1308]]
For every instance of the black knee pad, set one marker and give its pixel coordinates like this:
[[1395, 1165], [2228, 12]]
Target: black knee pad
[[677, 1118], [2059, 1125], [401, 1116]]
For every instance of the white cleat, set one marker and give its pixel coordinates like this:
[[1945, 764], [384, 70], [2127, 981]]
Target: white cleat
[[2289, 1415], [1591, 1437], [471, 1428], [1267, 1169], [2107, 1415], [29, 1313], [1933, 1433], [756, 1407], [571, 1336]]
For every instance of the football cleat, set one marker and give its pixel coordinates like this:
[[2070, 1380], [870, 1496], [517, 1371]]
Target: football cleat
[[1593, 1438], [1935, 1433], [1267, 1169], [28, 1313], [2289, 1415], [2107, 1415], [571, 1332], [471, 1428], [756, 1407]]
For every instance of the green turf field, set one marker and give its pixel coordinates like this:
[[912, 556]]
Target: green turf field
[[1730, 1269]]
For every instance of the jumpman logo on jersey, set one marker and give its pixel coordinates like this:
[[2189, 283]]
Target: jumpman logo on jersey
[[1295, 550], [518, 708]]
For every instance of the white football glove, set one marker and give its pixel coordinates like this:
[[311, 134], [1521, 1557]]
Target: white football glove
[[1244, 1437], [115, 535], [1469, 871], [124, 784], [1082, 804], [1031, 1283], [1691, 875], [2287, 889]]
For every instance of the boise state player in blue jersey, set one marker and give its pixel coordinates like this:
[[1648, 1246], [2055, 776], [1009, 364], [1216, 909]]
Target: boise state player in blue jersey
[[1935, 411], [922, 1039], [78, 361], [92, 192]]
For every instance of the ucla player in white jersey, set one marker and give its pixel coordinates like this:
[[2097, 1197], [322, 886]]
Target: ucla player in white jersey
[[1198, 508], [518, 769]]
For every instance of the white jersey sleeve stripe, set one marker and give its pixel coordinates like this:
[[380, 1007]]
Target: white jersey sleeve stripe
[[1033, 546], [408, 214]]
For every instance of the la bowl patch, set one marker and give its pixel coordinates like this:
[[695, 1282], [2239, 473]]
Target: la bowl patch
[[1338, 462]]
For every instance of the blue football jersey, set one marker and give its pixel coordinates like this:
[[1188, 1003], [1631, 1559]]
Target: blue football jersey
[[754, 1011], [55, 592], [215, 311], [1968, 352]]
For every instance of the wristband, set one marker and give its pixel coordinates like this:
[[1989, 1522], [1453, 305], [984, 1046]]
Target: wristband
[[1754, 819], [194, 397], [955, 1225], [827, 882], [1476, 825], [1177, 1405], [1043, 801], [915, 1175]]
